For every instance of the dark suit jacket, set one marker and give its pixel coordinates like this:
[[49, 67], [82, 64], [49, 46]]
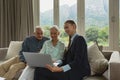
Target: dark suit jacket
[[77, 58]]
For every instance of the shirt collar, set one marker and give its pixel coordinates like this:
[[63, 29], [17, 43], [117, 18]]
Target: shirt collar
[[73, 36], [57, 42]]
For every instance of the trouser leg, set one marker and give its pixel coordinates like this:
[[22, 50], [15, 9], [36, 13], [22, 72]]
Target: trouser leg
[[45, 74]]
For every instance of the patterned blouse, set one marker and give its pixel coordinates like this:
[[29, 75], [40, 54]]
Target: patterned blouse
[[56, 52]]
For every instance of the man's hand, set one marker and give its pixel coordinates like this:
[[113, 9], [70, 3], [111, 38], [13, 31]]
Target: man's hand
[[54, 68]]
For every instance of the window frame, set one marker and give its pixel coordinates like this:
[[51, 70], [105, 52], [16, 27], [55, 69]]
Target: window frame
[[113, 20]]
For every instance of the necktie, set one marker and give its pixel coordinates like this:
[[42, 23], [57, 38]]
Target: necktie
[[69, 42], [68, 45]]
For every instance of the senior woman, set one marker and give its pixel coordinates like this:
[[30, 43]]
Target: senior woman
[[54, 47]]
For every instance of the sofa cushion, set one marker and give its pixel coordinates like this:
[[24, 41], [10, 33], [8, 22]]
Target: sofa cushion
[[95, 78], [3, 52], [14, 48], [98, 62]]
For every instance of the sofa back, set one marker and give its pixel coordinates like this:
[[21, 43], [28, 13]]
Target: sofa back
[[14, 49]]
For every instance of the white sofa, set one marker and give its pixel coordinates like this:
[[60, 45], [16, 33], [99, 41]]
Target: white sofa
[[112, 73], [12, 51]]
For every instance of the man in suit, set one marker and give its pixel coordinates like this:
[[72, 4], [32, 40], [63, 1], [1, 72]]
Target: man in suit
[[74, 66]]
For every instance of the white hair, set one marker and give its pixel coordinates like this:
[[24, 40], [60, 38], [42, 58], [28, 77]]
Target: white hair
[[38, 27], [55, 27]]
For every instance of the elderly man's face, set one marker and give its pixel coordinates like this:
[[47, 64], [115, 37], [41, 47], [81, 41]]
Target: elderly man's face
[[38, 34]]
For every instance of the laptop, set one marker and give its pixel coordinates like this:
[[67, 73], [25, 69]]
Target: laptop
[[37, 59]]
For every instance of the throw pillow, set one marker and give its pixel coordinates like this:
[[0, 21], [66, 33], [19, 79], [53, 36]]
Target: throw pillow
[[98, 62], [14, 49]]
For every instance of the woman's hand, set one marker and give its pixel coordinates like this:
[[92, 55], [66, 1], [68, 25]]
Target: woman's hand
[[54, 68]]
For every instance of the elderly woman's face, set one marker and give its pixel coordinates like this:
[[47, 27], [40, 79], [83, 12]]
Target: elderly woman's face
[[54, 34]]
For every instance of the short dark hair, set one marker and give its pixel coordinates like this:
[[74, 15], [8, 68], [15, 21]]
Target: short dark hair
[[70, 22]]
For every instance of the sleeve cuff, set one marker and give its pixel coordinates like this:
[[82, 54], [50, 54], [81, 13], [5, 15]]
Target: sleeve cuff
[[59, 61], [66, 68]]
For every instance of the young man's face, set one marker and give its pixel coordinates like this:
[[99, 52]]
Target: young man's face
[[69, 28]]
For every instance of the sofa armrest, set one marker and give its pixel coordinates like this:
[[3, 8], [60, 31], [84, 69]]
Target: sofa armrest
[[107, 54], [114, 66], [3, 53]]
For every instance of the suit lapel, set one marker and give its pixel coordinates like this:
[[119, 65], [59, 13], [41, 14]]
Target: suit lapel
[[69, 51], [73, 41]]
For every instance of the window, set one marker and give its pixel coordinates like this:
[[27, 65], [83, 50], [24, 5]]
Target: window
[[95, 18], [46, 15], [68, 10], [97, 21]]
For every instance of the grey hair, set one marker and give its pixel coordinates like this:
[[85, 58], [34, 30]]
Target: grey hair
[[38, 27], [55, 27]]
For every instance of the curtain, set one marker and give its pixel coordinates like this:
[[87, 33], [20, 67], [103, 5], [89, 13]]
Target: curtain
[[16, 20]]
